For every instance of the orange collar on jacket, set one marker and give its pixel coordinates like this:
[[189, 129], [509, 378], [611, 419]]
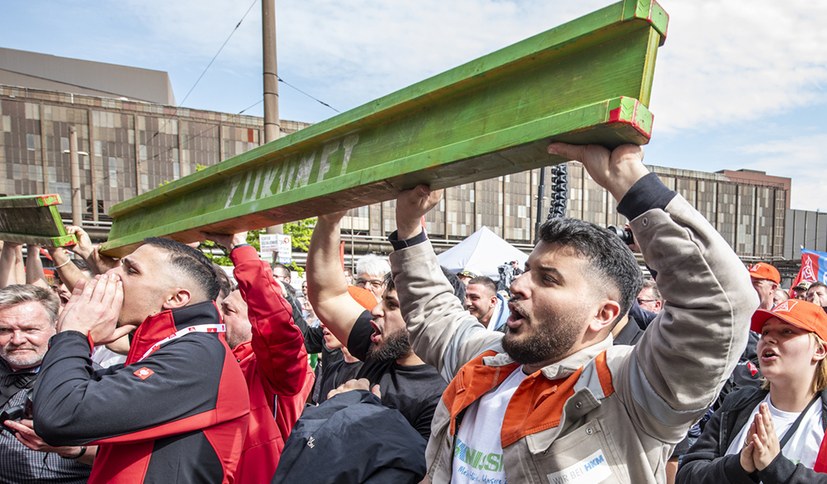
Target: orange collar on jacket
[[536, 405]]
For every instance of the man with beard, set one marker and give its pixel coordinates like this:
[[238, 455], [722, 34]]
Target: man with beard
[[28, 315], [378, 337], [552, 400]]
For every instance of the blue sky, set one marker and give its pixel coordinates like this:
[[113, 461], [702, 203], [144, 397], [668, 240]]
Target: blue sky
[[739, 84]]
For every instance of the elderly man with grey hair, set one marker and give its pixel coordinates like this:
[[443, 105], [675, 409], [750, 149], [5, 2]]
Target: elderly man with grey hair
[[27, 320], [371, 270]]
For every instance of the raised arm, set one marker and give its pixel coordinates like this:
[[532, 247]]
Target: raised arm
[[97, 262], [277, 342], [326, 285], [68, 272], [34, 267], [8, 262], [679, 365], [19, 266], [442, 332]]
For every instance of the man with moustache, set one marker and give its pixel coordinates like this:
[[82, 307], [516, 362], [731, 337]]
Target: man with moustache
[[552, 400], [28, 315], [378, 337]]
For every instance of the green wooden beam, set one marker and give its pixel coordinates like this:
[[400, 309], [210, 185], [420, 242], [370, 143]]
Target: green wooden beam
[[587, 81], [33, 219]]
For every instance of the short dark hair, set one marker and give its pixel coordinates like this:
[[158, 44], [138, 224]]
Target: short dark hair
[[191, 262], [484, 281], [608, 256], [225, 286], [389, 285]]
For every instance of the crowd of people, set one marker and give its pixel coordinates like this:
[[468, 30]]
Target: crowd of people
[[158, 367]]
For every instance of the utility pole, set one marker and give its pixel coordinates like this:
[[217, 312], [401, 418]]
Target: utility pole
[[92, 168], [74, 170], [272, 124]]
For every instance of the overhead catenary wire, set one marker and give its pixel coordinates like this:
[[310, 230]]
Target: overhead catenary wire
[[306, 94], [327, 105], [218, 53], [251, 106], [203, 72], [192, 88]]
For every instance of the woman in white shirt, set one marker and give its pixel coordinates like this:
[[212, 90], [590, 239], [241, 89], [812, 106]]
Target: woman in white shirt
[[773, 434]]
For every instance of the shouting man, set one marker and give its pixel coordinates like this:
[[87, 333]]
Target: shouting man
[[552, 400]]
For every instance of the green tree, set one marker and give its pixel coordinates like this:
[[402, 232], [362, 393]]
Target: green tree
[[300, 231]]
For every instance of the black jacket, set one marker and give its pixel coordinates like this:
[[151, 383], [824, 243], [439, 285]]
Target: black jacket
[[352, 438], [707, 461], [178, 415]]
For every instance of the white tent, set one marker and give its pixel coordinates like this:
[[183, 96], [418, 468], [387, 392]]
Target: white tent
[[481, 253]]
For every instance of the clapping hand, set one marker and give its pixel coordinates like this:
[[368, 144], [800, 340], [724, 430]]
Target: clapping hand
[[761, 446], [764, 438]]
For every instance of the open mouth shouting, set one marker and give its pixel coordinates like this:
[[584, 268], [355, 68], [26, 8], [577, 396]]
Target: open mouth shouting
[[376, 336], [517, 318], [769, 355]]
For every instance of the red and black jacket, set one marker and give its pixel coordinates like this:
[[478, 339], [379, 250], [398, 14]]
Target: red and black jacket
[[274, 364], [178, 415]]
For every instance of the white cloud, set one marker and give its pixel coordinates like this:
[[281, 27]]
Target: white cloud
[[726, 62], [351, 52], [723, 62], [193, 30], [801, 158], [731, 66]]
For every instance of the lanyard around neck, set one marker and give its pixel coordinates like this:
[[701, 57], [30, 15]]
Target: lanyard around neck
[[201, 328]]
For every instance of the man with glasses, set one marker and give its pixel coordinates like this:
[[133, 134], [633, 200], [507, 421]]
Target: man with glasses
[[282, 273], [649, 297], [370, 274], [28, 315]]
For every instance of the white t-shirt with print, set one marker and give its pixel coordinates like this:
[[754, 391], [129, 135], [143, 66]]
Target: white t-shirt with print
[[478, 452], [803, 446]]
